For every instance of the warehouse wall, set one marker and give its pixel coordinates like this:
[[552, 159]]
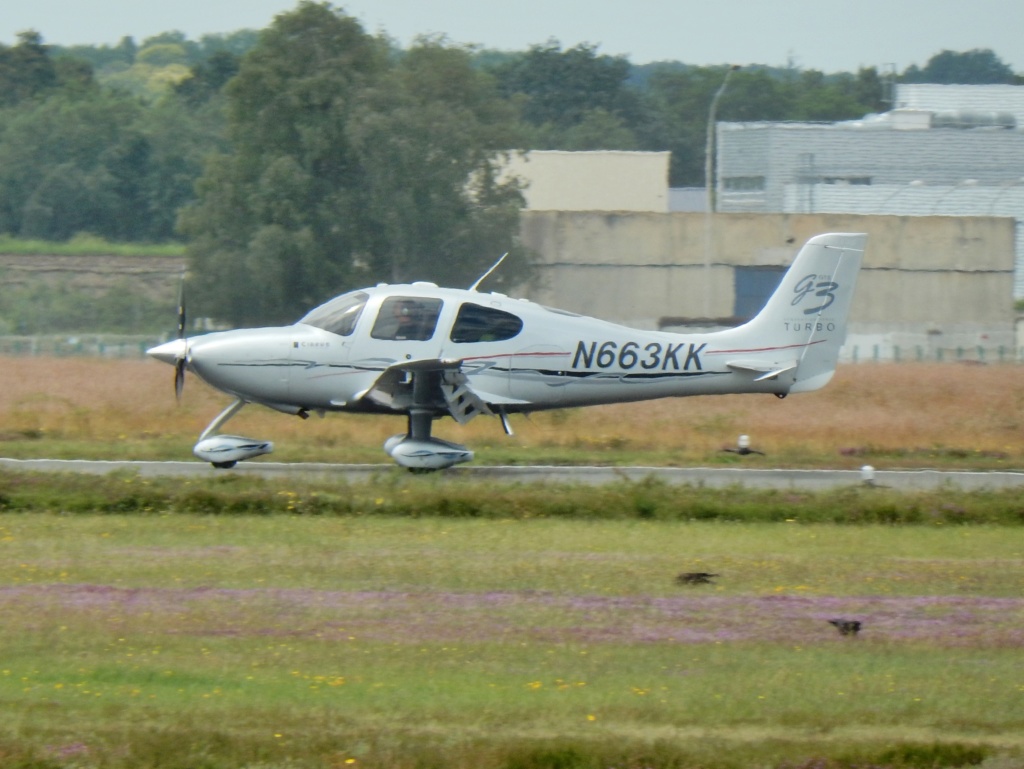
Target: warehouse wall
[[924, 279]]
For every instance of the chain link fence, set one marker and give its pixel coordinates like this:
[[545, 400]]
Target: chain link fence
[[96, 345], [135, 346], [887, 353]]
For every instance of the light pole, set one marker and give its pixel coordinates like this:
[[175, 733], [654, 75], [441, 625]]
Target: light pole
[[709, 187]]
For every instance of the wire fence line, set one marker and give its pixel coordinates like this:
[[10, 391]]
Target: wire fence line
[[888, 353], [92, 345], [135, 346]]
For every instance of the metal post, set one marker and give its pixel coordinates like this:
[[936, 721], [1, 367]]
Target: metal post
[[709, 187]]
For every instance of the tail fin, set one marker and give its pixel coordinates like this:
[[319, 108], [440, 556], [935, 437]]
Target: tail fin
[[805, 318]]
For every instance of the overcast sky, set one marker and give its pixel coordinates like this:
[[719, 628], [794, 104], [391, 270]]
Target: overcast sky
[[828, 35]]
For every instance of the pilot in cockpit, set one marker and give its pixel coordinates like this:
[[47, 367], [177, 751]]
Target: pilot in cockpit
[[401, 318], [408, 319]]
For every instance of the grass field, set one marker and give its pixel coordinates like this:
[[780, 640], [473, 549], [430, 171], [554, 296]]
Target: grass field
[[904, 415], [179, 640], [419, 622], [87, 245]]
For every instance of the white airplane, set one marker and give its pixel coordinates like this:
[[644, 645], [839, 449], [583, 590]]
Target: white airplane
[[428, 352]]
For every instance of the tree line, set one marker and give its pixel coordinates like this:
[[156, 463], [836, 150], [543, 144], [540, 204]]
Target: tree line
[[312, 156]]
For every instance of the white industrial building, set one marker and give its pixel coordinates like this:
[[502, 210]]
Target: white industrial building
[[944, 150], [939, 279]]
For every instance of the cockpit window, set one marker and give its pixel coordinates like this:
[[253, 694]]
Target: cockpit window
[[407, 318], [339, 315], [476, 323]]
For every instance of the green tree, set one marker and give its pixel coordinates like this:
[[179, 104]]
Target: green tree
[[679, 102], [277, 219], [161, 55], [429, 135], [52, 180], [869, 89], [159, 66], [99, 162], [558, 90], [174, 46], [597, 130], [237, 43], [207, 78], [836, 97], [976, 67], [346, 166], [102, 58], [26, 69]]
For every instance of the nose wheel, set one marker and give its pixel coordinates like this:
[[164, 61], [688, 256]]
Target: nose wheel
[[226, 451]]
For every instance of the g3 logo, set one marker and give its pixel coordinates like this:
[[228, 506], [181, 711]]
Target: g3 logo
[[824, 289]]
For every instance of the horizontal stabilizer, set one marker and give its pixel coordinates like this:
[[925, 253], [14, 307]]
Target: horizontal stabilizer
[[766, 369]]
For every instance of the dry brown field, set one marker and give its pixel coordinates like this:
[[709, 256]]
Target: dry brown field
[[887, 415]]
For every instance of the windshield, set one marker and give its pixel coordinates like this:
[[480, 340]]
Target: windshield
[[339, 315]]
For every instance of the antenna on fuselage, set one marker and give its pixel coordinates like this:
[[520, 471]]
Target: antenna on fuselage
[[486, 274]]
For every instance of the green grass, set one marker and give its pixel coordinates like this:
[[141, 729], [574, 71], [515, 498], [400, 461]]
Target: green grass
[[380, 638], [878, 415], [394, 492], [87, 245], [34, 443]]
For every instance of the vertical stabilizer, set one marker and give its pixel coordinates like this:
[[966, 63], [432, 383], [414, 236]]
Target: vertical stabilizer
[[805, 318]]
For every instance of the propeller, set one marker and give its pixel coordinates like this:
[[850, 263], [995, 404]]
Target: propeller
[[176, 351]]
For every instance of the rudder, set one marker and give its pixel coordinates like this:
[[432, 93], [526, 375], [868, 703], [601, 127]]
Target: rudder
[[811, 306]]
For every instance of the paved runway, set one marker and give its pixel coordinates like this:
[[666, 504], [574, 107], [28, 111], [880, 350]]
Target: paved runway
[[904, 480]]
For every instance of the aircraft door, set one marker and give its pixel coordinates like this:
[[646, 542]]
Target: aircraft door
[[490, 329], [407, 319]]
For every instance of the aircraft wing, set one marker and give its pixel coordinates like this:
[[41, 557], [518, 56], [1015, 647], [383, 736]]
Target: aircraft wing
[[449, 388], [763, 369]]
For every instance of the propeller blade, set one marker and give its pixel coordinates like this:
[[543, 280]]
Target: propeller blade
[[179, 378], [181, 309], [181, 363]]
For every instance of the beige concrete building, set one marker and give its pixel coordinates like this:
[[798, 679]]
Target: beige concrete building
[[593, 181], [931, 287]]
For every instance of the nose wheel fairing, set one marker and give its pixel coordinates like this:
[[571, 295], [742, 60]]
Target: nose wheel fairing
[[225, 451]]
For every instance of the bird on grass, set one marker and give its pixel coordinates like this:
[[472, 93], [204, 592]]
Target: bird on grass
[[846, 626], [743, 447], [695, 578]]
